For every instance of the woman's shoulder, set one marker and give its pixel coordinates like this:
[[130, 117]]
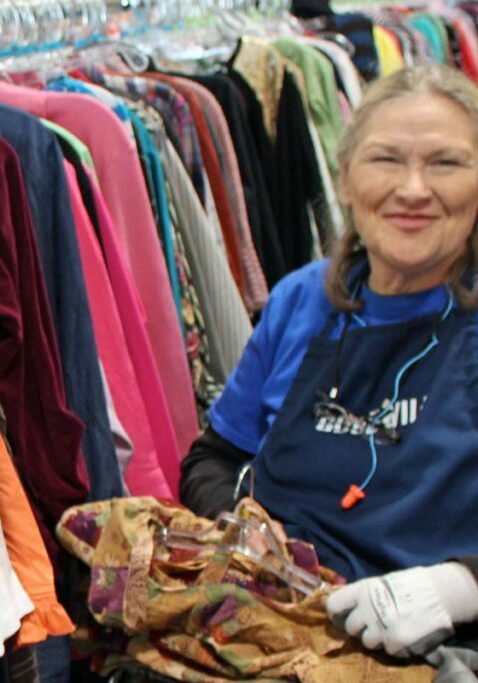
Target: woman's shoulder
[[299, 302], [308, 280]]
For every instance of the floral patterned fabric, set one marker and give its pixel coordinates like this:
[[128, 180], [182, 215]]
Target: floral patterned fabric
[[203, 613]]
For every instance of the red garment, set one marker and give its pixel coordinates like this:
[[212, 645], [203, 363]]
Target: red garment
[[45, 437], [468, 55], [255, 286]]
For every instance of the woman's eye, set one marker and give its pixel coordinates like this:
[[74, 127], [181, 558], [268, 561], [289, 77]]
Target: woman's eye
[[446, 162], [386, 159]]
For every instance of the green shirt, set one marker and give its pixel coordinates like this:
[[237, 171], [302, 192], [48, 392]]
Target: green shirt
[[322, 93], [80, 148]]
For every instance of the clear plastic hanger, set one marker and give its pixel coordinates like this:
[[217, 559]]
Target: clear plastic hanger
[[54, 36], [338, 38], [239, 533], [136, 57], [344, 6], [242, 532]]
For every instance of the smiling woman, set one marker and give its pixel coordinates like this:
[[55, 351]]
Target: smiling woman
[[356, 397], [412, 185], [409, 160]]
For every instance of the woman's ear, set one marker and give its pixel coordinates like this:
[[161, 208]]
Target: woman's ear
[[343, 186]]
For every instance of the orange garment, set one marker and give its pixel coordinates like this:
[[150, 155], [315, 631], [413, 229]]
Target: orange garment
[[29, 558]]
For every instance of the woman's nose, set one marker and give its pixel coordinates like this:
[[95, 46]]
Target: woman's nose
[[413, 185]]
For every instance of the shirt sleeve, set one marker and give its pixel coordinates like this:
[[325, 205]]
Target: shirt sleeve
[[209, 474], [240, 415]]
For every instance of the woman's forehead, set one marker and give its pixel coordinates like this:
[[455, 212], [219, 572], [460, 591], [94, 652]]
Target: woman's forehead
[[420, 117]]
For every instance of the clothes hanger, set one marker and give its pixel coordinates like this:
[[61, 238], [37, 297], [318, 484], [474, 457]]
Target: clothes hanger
[[52, 37], [343, 6], [243, 532], [239, 533]]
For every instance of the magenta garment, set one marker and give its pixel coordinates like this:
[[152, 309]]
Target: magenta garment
[[44, 435], [144, 475], [122, 184]]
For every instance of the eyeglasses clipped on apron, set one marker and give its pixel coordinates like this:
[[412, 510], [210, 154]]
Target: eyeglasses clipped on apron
[[327, 409]]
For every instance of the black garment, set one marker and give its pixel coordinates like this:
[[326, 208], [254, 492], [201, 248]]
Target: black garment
[[22, 665], [453, 42], [291, 170], [80, 672], [305, 9], [258, 203], [359, 30], [297, 179], [470, 561], [4, 674], [138, 674], [209, 474]]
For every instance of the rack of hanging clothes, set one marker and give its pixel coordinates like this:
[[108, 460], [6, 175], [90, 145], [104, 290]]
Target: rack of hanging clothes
[[164, 204], [151, 201], [148, 211], [157, 181], [386, 36]]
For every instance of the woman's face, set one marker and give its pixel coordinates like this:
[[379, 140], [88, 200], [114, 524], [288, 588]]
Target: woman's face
[[412, 185]]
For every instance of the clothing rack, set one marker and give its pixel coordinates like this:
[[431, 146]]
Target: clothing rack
[[49, 31]]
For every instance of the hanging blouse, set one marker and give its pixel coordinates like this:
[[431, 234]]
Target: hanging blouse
[[173, 107], [15, 603], [213, 169], [227, 323], [255, 287], [29, 559], [206, 388]]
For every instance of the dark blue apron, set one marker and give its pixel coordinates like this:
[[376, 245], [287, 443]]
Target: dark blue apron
[[421, 505]]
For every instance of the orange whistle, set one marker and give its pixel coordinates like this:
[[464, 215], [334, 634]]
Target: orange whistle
[[353, 495]]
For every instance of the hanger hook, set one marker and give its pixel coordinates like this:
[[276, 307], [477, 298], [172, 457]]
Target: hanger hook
[[245, 469]]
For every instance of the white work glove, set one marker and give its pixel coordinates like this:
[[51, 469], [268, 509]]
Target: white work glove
[[406, 612]]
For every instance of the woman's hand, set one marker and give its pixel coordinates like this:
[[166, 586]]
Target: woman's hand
[[406, 612]]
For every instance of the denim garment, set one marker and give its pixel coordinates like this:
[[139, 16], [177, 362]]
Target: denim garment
[[42, 167], [53, 656]]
